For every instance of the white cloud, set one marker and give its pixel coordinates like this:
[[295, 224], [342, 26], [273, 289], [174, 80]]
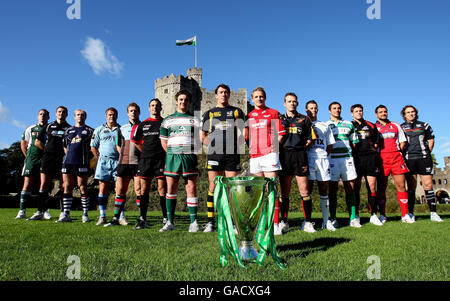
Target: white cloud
[[100, 58], [18, 124], [4, 112], [445, 148], [5, 117], [4, 145]]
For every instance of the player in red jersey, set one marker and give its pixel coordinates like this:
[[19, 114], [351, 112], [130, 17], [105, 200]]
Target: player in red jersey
[[393, 142]]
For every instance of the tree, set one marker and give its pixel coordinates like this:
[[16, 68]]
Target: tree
[[11, 162]]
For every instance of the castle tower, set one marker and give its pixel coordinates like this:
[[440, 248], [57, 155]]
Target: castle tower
[[195, 74]]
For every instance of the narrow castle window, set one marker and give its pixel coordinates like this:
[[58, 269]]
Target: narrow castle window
[[440, 182], [166, 91], [445, 181]]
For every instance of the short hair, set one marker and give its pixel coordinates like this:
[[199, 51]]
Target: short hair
[[80, 110], [334, 103], [224, 87], [155, 99], [409, 106], [290, 94], [380, 107], [356, 106], [184, 92], [309, 102], [112, 109], [260, 89], [45, 112], [62, 107], [133, 104]]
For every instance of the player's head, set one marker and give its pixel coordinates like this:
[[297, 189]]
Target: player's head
[[290, 102], [80, 116], [133, 111], [357, 111], [111, 115], [381, 112], [410, 113], [183, 100], [259, 97], [155, 107], [312, 109], [335, 109], [61, 113], [43, 116], [222, 94]]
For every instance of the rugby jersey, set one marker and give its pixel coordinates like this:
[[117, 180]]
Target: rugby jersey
[[147, 135], [368, 136], [324, 137], [52, 136], [77, 143], [417, 133], [129, 154], [298, 131], [29, 136], [104, 139], [344, 134], [181, 130], [391, 136]]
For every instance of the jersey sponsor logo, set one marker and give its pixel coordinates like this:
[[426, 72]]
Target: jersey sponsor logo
[[84, 132], [223, 125], [217, 114], [388, 135], [213, 163], [266, 116], [83, 169], [254, 114], [260, 125], [319, 141], [75, 140], [293, 130], [106, 131], [230, 113]]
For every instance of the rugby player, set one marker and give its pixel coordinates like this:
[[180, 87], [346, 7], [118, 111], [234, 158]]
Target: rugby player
[[392, 144], [75, 166], [342, 164], [179, 138], [294, 162], [103, 146], [33, 155], [319, 161], [418, 159], [50, 140], [127, 166], [220, 134], [367, 161], [151, 161], [265, 133]]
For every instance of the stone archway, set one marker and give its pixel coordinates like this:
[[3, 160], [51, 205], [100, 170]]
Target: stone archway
[[442, 195]]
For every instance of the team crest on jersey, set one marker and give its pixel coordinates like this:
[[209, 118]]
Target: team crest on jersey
[[84, 132], [254, 114], [230, 113]]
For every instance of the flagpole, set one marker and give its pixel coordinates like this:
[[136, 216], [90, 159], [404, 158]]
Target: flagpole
[[195, 51]]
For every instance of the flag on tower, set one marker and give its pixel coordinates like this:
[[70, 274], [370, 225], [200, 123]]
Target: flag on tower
[[192, 41]]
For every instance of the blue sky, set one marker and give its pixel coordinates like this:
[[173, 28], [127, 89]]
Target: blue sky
[[324, 50]]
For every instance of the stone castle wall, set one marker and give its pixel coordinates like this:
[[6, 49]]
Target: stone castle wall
[[441, 179]]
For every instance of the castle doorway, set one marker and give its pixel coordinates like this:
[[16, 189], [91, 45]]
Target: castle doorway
[[442, 197]]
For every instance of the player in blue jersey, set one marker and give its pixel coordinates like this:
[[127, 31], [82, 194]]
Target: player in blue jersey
[[103, 146], [75, 165]]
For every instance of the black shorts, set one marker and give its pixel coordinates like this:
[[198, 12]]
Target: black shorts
[[75, 169], [51, 165], [224, 162], [149, 168], [126, 170], [420, 166], [294, 163], [367, 165]]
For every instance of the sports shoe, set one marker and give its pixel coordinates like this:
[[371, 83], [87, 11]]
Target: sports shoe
[[141, 224], [335, 223], [277, 229], [193, 227], [21, 215], [383, 219], [406, 219], [64, 218], [413, 218], [284, 227], [123, 221], [167, 227], [114, 222], [47, 215], [165, 220], [308, 227], [210, 227], [434, 217], [36, 217], [328, 225], [357, 218], [101, 221], [85, 218], [354, 223], [374, 220]]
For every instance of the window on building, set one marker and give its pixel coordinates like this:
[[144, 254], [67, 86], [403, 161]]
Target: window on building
[[440, 182], [445, 181], [420, 183], [166, 91], [434, 182]]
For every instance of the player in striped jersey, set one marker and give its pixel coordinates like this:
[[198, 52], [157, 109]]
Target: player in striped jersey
[[342, 164]]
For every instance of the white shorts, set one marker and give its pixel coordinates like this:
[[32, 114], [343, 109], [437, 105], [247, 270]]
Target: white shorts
[[342, 168], [319, 169], [266, 163]]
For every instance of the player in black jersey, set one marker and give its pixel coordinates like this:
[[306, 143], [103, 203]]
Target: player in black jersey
[[75, 166], [418, 159], [294, 162], [222, 133], [151, 161], [50, 140], [367, 160]]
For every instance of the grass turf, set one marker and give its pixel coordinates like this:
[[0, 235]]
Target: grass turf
[[39, 250]]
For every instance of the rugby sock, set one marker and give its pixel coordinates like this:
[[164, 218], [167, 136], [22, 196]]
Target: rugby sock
[[171, 203], [382, 203], [357, 203], [162, 203], [192, 204], [85, 204], [324, 207], [43, 196], [118, 204], [276, 216], [373, 203], [402, 198], [138, 200], [102, 204], [145, 199], [307, 207], [350, 200], [431, 199], [24, 196], [210, 205], [332, 201], [67, 202], [411, 201], [284, 209]]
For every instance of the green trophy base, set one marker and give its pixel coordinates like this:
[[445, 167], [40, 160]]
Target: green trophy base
[[247, 252]]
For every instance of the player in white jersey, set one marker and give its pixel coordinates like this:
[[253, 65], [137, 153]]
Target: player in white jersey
[[318, 160]]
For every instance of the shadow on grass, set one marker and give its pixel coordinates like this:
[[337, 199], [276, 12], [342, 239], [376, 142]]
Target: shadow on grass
[[303, 249]]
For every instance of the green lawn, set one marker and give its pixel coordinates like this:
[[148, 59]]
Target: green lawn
[[39, 251]]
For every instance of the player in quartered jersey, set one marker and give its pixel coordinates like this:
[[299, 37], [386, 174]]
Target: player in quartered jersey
[[180, 139], [127, 165], [32, 162], [392, 144], [75, 167], [103, 146], [418, 158], [319, 161], [342, 165], [50, 140]]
